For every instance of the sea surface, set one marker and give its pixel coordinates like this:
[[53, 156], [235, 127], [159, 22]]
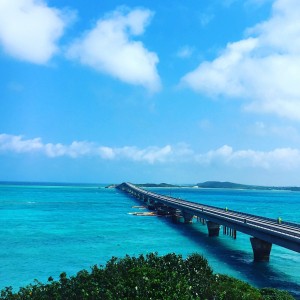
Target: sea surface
[[46, 229]]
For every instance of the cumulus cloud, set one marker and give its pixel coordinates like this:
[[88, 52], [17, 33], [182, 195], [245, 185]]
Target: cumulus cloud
[[262, 68], [276, 159], [18, 144], [149, 154], [13, 143], [282, 158], [110, 48], [30, 30], [75, 149]]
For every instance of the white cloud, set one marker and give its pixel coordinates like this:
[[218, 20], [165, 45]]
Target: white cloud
[[13, 143], [277, 159], [262, 68], [280, 158], [17, 144], [185, 52], [30, 30], [150, 154], [75, 149], [110, 48], [106, 152]]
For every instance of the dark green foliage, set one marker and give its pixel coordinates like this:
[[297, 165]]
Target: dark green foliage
[[229, 288], [145, 277], [274, 294]]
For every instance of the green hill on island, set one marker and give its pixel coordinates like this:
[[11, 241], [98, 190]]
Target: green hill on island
[[231, 185]]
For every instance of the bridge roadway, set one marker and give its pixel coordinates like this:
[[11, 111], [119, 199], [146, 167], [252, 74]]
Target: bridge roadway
[[264, 231]]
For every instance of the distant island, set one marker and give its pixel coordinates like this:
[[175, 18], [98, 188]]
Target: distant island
[[231, 185], [217, 185]]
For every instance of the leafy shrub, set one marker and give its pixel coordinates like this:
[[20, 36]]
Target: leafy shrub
[[229, 288], [274, 294], [145, 277]]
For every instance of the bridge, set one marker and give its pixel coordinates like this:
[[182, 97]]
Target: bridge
[[263, 231]]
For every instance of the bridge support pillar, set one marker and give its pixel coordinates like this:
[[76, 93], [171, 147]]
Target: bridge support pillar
[[261, 249], [151, 206], [188, 218], [175, 218], [213, 228]]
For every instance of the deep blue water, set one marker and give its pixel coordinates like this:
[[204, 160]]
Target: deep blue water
[[48, 229]]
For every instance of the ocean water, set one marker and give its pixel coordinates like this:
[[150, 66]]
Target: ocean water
[[46, 229]]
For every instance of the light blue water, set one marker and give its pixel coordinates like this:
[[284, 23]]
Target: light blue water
[[46, 230]]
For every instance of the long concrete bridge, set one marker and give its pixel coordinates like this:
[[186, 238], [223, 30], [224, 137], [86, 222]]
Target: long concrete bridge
[[263, 231]]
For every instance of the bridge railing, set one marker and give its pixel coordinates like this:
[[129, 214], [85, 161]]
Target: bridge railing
[[215, 207], [246, 214]]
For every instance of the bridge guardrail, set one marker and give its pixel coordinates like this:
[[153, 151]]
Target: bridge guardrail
[[238, 212], [230, 210]]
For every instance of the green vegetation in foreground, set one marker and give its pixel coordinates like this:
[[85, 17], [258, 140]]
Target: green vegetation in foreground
[[146, 277]]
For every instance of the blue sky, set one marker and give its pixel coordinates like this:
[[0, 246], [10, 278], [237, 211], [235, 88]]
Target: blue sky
[[152, 91]]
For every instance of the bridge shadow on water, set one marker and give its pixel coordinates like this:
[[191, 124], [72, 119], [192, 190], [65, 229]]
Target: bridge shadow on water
[[261, 274]]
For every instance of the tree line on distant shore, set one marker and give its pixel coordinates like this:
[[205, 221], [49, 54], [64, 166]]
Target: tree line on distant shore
[[220, 185], [146, 277], [231, 185]]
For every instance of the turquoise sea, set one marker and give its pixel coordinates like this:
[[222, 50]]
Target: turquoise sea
[[46, 229]]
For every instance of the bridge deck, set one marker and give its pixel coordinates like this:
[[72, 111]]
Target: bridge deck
[[285, 234]]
